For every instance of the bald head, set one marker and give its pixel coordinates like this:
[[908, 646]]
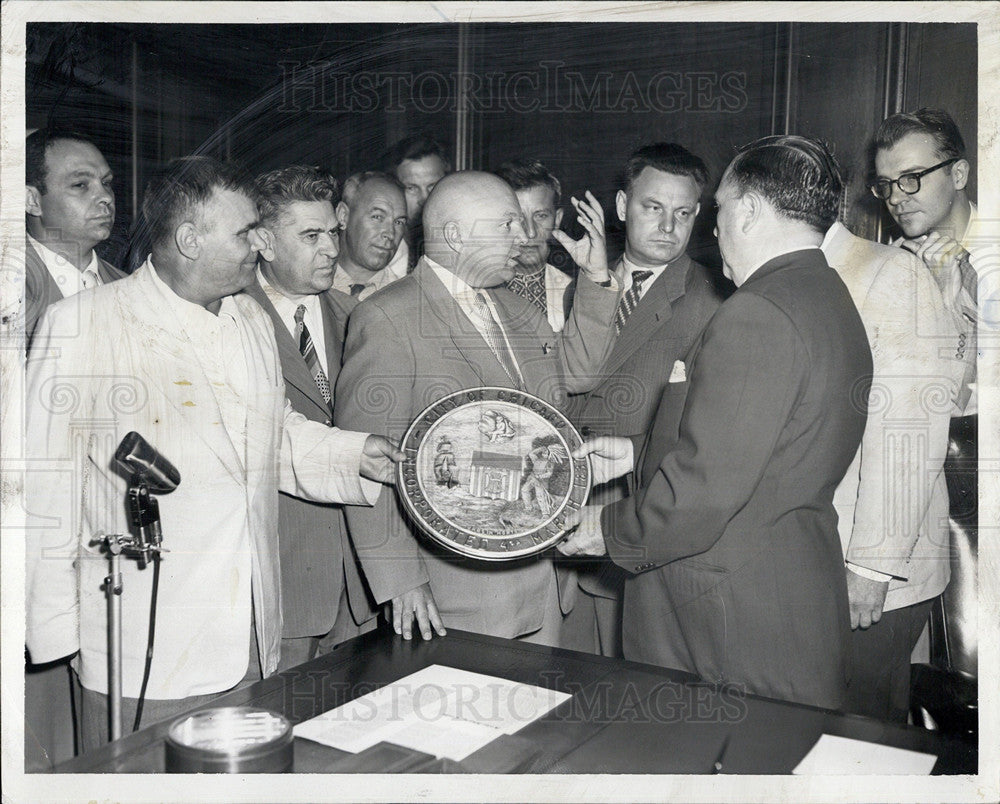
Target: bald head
[[473, 227]]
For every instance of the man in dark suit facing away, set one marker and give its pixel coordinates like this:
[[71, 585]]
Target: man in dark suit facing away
[[731, 537], [324, 600], [667, 301]]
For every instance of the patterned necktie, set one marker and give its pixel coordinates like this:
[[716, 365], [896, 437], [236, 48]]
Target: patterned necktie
[[497, 343], [530, 287], [968, 306], [308, 350], [356, 288], [630, 299]]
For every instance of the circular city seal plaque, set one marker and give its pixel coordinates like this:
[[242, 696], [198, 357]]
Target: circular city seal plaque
[[488, 473]]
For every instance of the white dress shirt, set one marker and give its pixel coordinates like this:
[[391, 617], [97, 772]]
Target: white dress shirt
[[218, 345], [628, 267], [396, 269], [68, 278], [286, 307], [465, 297]]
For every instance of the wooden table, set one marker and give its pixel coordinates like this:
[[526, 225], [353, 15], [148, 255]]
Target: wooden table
[[623, 717]]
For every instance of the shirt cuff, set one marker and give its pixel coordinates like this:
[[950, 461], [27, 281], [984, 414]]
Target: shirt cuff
[[360, 490], [870, 574]]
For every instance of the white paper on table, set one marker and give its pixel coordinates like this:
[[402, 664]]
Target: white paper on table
[[439, 710], [838, 756]]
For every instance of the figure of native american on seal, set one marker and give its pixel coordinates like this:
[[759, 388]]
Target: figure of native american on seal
[[494, 467]]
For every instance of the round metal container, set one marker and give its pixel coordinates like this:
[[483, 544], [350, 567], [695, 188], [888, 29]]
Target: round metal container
[[232, 739]]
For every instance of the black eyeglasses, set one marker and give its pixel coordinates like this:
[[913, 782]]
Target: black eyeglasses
[[909, 183]]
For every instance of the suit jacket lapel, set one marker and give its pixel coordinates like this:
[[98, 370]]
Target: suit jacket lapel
[[526, 344], [467, 340], [38, 278], [293, 365], [653, 309], [171, 366], [334, 324]]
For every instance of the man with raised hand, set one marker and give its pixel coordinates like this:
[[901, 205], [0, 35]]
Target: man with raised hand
[[448, 326]]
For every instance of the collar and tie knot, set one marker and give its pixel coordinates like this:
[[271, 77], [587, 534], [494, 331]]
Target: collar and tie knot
[[630, 299]]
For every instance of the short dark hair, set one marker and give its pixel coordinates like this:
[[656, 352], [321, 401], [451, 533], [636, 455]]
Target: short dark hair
[[183, 184], [416, 146], [935, 122], [358, 180], [277, 188], [797, 175], [36, 145], [522, 174], [668, 157]]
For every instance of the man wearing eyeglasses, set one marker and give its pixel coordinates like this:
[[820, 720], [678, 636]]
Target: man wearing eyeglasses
[[922, 175]]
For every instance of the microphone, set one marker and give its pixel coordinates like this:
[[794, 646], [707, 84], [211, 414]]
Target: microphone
[[150, 473], [141, 459]]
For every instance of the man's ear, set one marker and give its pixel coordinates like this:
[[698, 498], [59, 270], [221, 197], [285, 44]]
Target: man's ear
[[621, 202], [960, 174], [343, 214], [33, 201], [187, 239], [268, 237], [453, 236], [559, 214], [751, 206]]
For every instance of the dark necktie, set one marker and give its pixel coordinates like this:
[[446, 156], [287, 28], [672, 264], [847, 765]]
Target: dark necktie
[[497, 342], [630, 299], [308, 350], [356, 288]]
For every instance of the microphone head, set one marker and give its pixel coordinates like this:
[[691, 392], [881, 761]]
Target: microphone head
[[140, 458]]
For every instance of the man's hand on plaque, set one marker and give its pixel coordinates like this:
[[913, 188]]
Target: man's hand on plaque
[[590, 252], [585, 537], [610, 457], [379, 458], [417, 604]]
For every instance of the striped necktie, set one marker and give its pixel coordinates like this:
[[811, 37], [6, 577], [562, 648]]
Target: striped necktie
[[497, 342], [308, 350], [628, 302]]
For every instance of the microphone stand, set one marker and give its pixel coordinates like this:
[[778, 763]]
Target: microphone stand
[[144, 511]]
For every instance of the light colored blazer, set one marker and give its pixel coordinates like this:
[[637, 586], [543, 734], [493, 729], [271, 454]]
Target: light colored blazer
[[893, 502], [115, 359], [409, 345]]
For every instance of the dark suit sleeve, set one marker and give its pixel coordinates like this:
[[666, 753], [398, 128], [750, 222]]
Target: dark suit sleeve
[[374, 395], [744, 384], [588, 336]]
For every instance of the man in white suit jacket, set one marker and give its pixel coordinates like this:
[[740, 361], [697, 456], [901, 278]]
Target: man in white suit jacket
[[892, 504], [171, 353]]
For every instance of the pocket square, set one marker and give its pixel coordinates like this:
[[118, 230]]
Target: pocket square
[[678, 373]]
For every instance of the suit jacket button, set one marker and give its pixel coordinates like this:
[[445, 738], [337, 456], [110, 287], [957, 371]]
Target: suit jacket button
[[328, 423]]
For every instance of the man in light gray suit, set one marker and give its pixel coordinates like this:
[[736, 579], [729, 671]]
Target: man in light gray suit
[[425, 336]]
